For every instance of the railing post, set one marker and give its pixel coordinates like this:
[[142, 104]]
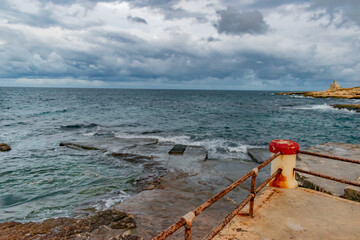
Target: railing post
[[286, 161], [189, 217], [252, 192]]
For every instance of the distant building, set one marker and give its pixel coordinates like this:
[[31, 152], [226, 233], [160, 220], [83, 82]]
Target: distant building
[[334, 86]]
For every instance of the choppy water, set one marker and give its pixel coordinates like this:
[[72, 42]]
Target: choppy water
[[39, 179]]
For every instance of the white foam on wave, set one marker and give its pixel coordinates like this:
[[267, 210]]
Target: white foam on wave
[[324, 107], [299, 96], [178, 139], [106, 203], [217, 148], [90, 134], [321, 107]]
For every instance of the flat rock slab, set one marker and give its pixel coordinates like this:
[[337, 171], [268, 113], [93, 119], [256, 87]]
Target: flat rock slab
[[178, 149], [146, 147], [259, 155], [342, 170], [296, 214]]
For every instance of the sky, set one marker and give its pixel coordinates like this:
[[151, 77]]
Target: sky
[[180, 44]]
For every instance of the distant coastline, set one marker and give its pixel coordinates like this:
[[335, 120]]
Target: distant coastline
[[335, 91]]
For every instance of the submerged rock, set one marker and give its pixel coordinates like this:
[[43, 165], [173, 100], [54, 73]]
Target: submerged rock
[[129, 157], [102, 225], [78, 146], [4, 147], [353, 107]]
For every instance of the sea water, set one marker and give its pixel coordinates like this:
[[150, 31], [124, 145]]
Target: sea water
[[39, 179]]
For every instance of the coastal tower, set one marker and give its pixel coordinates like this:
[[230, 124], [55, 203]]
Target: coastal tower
[[335, 86]]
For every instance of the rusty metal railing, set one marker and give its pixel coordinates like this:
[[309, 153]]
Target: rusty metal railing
[[187, 219], [326, 176]]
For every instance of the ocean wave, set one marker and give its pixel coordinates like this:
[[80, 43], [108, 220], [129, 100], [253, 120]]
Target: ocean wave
[[90, 134], [109, 201], [47, 112], [217, 148], [224, 149], [78, 126], [321, 107], [299, 96], [173, 139]]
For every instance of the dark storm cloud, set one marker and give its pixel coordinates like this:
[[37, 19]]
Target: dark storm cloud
[[94, 46], [349, 10], [136, 20], [212, 39], [238, 23], [116, 61], [45, 16], [168, 9]]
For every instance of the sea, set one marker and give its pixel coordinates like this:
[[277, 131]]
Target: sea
[[40, 179]]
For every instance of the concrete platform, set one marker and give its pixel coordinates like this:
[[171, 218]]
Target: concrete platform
[[342, 170], [296, 214]]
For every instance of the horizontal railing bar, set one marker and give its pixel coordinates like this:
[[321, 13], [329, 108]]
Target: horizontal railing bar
[[268, 161], [228, 218], [170, 230], [216, 230], [215, 198], [259, 188], [328, 156], [173, 228], [328, 177]]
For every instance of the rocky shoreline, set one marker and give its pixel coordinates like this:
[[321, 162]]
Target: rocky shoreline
[[177, 184], [114, 225], [345, 93], [174, 185]]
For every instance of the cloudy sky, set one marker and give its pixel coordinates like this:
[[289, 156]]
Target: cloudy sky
[[180, 44]]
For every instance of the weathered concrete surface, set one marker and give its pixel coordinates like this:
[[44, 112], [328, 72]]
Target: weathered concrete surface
[[347, 93], [343, 170], [259, 155], [182, 191], [296, 214]]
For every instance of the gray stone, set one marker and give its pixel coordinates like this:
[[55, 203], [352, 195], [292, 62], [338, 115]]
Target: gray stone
[[4, 147], [259, 155]]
